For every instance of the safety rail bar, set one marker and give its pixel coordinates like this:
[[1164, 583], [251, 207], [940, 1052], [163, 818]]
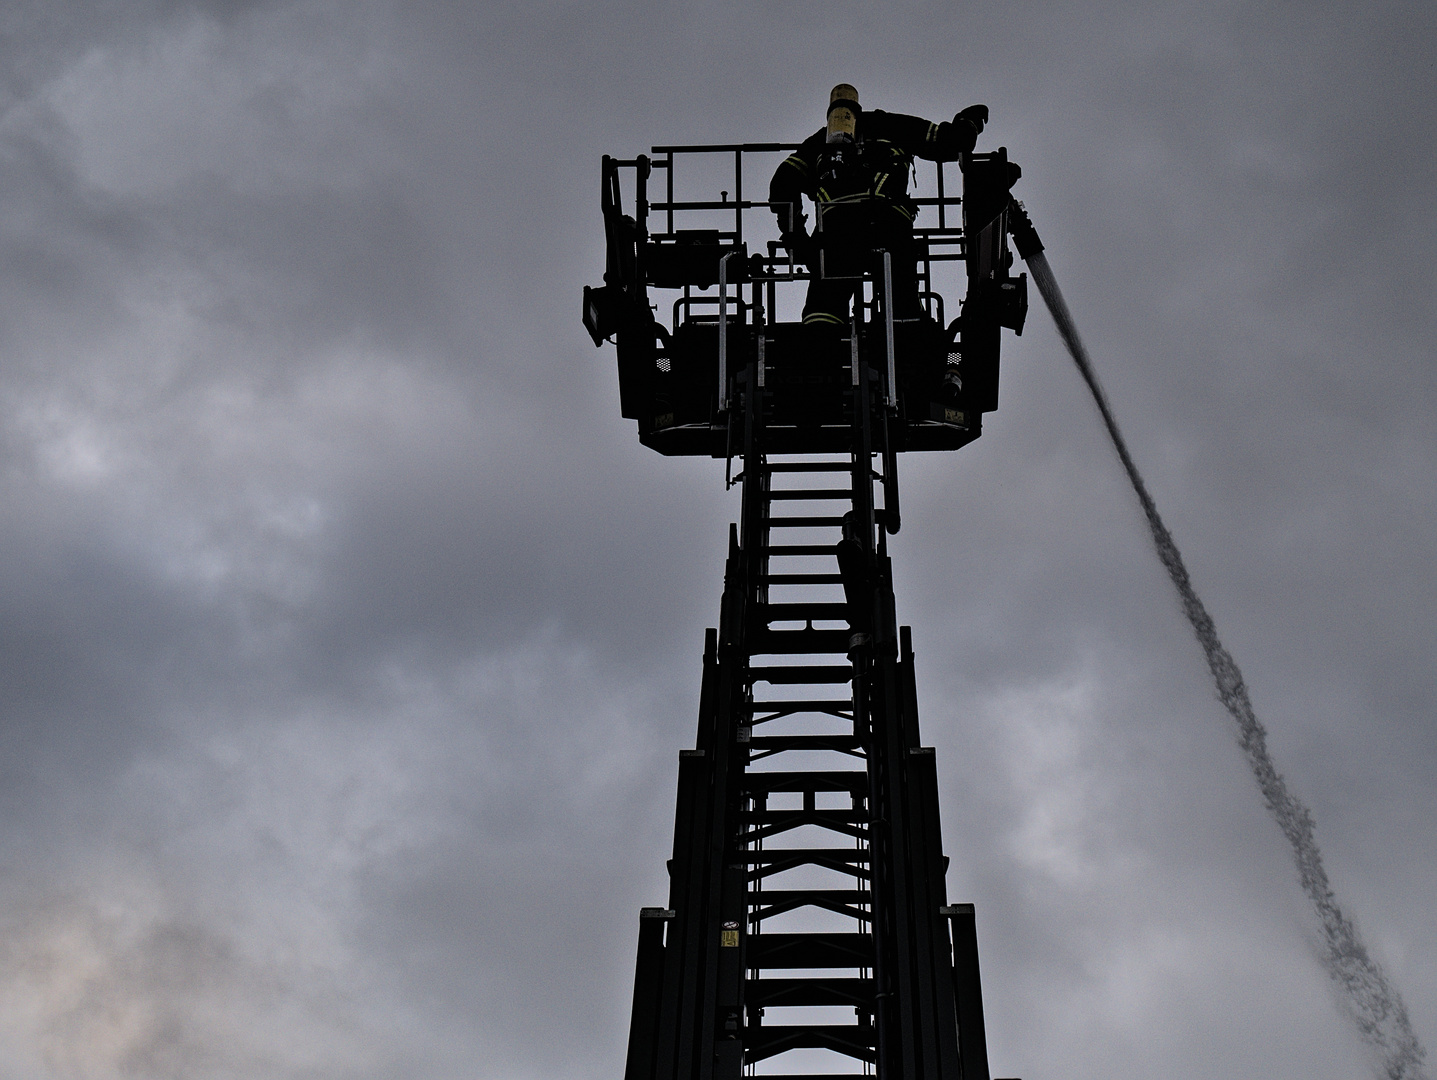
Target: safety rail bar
[[664, 159], [730, 204], [723, 332], [940, 243]]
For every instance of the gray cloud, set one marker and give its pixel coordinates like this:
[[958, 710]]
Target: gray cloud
[[349, 636]]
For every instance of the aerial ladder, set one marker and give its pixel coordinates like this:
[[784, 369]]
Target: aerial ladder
[[807, 931]]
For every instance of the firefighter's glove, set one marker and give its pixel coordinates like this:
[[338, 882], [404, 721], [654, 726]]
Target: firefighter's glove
[[801, 247], [977, 115]]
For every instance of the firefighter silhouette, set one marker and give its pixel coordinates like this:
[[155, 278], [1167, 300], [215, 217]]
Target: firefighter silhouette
[[856, 170]]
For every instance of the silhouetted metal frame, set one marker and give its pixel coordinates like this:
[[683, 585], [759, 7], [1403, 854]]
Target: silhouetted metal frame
[[689, 1009]]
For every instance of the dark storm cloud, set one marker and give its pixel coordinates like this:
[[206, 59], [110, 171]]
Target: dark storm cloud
[[350, 636]]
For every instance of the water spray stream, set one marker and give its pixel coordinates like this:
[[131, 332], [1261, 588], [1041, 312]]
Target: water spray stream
[[1373, 1003]]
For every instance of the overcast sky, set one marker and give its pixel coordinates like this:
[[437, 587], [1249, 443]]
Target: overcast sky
[[348, 637]]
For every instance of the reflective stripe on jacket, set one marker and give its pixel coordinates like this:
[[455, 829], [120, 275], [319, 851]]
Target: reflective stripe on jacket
[[874, 166]]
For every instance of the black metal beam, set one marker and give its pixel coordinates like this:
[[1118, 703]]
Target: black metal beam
[[967, 988], [648, 994], [715, 960]]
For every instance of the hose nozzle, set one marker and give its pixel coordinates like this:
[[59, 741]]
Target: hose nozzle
[[1025, 237]]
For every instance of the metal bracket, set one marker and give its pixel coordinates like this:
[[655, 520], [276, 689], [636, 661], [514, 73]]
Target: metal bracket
[[723, 332], [891, 398]]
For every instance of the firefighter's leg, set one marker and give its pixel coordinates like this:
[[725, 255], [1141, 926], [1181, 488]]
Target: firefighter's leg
[[825, 317], [903, 257], [832, 285], [827, 303]]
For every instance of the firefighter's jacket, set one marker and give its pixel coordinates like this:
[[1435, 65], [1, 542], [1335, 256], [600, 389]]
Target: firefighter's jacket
[[873, 169]]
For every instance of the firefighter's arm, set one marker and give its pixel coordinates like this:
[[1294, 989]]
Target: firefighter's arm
[[939, 142], [795, 177]]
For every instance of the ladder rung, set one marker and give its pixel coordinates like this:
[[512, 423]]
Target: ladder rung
[[766, 1041], [805, 611], [762, 826], [803, 522], [762, 992], [802, 579], [804, 742], [800, 641], [794, 550], [843, 708], [847, 856], [824, 819], [837, 896], [852, 782], [809, 950], [792, 675], [808, 466], [809, 494], [784, 861]]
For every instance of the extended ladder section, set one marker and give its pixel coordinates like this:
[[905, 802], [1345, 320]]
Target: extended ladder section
[[808, 931], [808, 926]]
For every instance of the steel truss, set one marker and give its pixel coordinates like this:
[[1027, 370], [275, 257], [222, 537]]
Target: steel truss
[[807, 905]]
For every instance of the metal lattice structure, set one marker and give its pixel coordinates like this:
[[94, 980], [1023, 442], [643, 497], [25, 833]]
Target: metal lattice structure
[[807, 918]]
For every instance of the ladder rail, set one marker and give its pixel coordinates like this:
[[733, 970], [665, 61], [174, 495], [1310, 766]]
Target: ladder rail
[[775, 843]]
